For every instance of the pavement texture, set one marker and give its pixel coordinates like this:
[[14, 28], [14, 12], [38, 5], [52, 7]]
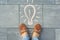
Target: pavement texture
[[12, 14]]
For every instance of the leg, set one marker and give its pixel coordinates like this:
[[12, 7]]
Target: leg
[[23, 32], [36, 32]]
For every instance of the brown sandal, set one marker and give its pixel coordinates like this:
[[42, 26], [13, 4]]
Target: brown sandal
[[36, 30], [22, 28]]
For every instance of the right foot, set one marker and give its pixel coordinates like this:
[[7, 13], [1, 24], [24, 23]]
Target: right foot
[[36, 30]]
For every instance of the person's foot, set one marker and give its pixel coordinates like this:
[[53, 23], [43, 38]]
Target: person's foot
[[23, 30], [36, 30]]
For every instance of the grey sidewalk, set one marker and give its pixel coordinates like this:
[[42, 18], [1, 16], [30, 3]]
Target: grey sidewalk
[[12, 14]]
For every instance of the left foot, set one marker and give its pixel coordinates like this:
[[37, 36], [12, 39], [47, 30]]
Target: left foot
[[23, 30]]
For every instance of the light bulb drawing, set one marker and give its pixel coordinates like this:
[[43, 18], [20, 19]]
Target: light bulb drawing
[[30, 14], [30, 19]]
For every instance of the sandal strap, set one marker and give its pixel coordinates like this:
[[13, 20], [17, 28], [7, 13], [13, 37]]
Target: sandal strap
[[23, 31], [36, 32]]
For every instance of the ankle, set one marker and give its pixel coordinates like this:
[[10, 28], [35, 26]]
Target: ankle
[[24, 34], [35, 34]]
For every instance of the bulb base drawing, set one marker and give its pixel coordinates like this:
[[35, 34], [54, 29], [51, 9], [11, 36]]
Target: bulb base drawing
[[30, 22]]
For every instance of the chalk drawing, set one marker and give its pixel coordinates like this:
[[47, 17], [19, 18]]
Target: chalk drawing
[[30, 20]]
